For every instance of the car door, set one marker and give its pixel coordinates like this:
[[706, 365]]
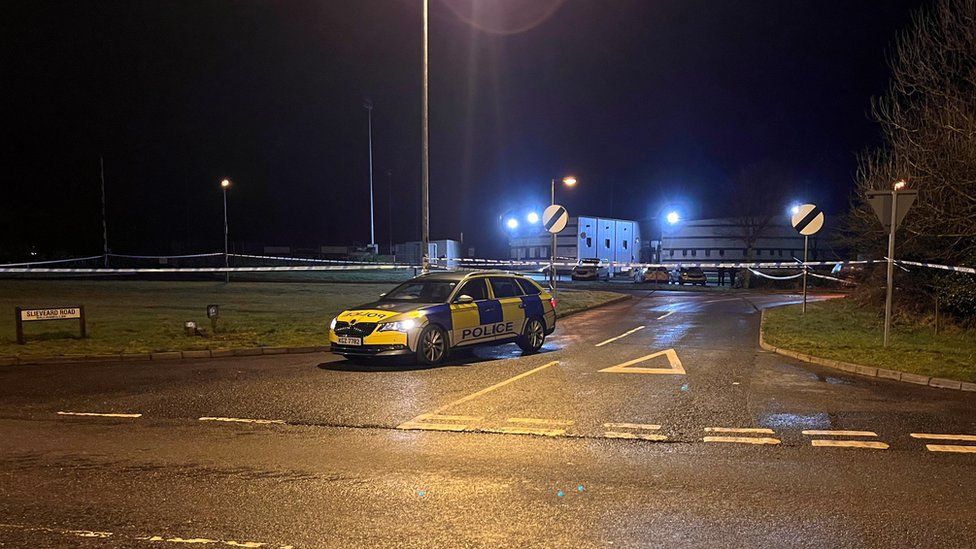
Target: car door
[[466, 318], [508, 294]]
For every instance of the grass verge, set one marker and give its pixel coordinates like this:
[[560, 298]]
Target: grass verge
[[840, 329], [140, 316]]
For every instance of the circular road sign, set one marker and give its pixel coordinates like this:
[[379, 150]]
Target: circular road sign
[[808, 219], [554, 219]]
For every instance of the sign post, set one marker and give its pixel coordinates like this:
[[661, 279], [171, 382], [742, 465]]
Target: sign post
[[213, 312], [53, 313], [808, 220], [891, 208], [554, 219]]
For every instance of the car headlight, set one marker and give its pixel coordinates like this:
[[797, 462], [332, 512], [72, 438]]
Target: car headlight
[[333, 323], [399, 326]]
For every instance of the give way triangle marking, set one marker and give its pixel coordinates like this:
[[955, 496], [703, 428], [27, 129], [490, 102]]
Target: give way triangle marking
[[628, 367]]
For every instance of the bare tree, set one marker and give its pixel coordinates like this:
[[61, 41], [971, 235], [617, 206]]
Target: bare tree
[[928, 121], [756, 200]]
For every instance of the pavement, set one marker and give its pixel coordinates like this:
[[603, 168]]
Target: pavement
[[656, 421]]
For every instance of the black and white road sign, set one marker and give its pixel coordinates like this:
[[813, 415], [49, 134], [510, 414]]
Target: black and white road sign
[[808, 219], [880, 202], [554, 219]]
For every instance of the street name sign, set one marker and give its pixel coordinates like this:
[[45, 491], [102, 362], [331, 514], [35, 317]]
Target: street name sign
[[23, 314], [808, 219], [554, 219]]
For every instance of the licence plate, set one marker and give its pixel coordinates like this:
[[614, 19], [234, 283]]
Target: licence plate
[[350, 340]]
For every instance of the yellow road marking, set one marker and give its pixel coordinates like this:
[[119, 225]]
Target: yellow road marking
[[743, 440], [525, 431], [449, 418], [665, 315], [418, 426], [936, 436], [621, 336], [756, 430], [872, 444], [634, 436], [477, 394], [627, 367], [244, 420], [816, 432], [648, 426], [96, 414], [951, 448], [540, 421]]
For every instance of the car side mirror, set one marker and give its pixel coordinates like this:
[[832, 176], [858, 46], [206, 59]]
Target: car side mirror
[[464, 298]]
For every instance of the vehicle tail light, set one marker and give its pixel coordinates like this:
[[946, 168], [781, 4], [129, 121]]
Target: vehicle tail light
[[552, 301]]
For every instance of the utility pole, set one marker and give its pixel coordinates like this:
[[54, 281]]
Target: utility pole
[[424, 167], [372, 229], [101, 166]]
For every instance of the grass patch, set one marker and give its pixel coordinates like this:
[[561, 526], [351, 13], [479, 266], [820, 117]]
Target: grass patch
[[141, 316], [840, 329]]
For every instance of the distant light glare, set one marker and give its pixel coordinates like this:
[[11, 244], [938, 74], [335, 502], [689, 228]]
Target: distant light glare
[[512, 223], [673, 218], [532, 218], [795, 209]]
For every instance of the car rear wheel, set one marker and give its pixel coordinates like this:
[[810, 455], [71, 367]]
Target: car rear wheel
[[432, 346], [533, 337]]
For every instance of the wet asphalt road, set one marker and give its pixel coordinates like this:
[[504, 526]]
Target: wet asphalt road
[[705, 446]]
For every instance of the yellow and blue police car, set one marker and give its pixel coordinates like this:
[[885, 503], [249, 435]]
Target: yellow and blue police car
[[431, 314]]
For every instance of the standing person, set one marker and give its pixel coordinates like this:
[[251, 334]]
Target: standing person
[[721, 276], [732, 278]]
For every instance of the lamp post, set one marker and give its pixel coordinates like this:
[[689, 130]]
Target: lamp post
[[898, 186], [569, 181], [424, 168], [368, 104], [224, 185]]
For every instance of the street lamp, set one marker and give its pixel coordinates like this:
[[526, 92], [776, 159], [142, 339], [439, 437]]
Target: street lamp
[[569, 181], [794, 209], [224, 185], [673, 218], [512, 223], [532, 218]]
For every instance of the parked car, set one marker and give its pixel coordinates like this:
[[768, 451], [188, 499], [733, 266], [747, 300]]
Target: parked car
[[657, 275], [591, 269], [691, 275]]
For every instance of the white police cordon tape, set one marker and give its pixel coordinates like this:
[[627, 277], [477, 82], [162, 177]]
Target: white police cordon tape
[[969, 270], [771, 277], [834, 278], [185, 256], [53, 261], [157, 270], [304, 259], [676, 265]]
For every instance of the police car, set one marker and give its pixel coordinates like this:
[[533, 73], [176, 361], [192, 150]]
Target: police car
[[431, 314]]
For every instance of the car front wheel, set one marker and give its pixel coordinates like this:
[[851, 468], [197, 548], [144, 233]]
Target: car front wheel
[[533, 337], [432, 346]]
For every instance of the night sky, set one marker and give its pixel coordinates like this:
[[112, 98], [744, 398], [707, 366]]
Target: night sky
[[647, 102]]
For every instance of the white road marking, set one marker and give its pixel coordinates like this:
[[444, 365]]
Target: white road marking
[[623, 335], [722, 300], [97, 414], [627, 367], [665, 315], [449, 418], [816, 432], [871, 444], [525, 431], [244, 420], [540, 421], [951, 448], [756, 430], [743, 440], [938, 436], [634, 436], [423, 426], [648, 426]]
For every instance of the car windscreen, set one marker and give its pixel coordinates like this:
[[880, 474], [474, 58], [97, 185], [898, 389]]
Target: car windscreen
[[421, 291]]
